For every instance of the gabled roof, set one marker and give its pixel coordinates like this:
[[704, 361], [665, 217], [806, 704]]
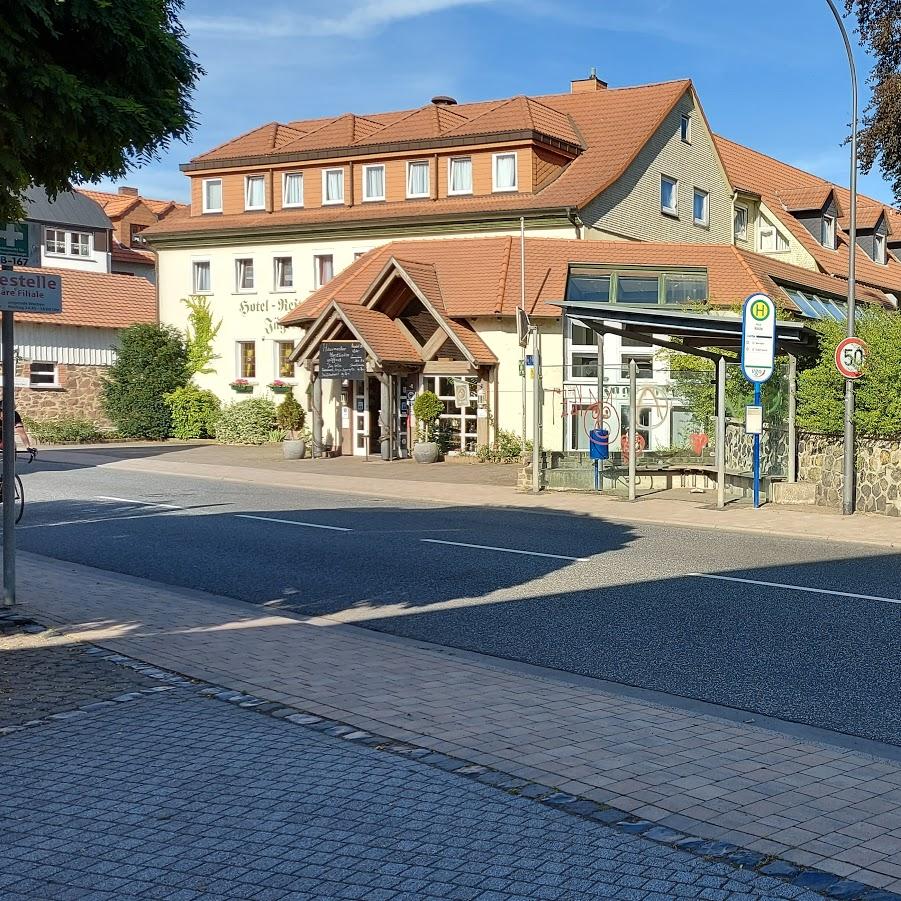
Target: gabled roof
[[480, 277], [99, 300], [770, 178], [808, 197], [116, 205]]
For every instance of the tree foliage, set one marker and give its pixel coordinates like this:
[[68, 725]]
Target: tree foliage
[[290, 415], [151, 363], [90, 89], [194, 412], [821, 389], [879, 28], [201, 334]]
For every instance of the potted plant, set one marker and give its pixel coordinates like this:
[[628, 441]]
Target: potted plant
[[290, 417], [279, 387], [427, 408], [241, 386]]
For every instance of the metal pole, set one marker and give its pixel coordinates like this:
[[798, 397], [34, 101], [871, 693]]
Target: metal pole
[[633, 416], [756, 452], [536, 411], [7, 342], [522, 304], [721, 433], [849, 488], [792, 418], [600, 463]]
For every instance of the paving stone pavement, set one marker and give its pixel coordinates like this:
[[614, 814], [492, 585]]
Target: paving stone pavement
[[815, 804], [179, 797]]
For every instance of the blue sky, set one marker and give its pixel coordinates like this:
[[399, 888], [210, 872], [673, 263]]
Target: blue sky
[[771, 74]]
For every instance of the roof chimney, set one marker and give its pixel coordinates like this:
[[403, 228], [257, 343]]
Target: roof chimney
[[592, 83], [130, 192], [442, 100]]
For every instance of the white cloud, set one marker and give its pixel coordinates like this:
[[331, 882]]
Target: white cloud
[[357, 18]]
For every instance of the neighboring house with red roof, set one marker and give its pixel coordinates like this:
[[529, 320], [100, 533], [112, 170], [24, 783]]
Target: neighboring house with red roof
[[624, 193]]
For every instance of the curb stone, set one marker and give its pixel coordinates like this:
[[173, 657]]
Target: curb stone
[[827, 884]]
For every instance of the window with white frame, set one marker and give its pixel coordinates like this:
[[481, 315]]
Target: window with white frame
[[292, 189], [43, 374], [504, 176], [373, 182], [283, 364], [740, 223], [60, 242], [332, 186], [201, 280], [460, 424], [323, 269], [770, 239], [244, 276], [669, 195], [685, 129], [828, 235], [254, 192], [582, 355], [879, 248], [701, 207], [418, 178], [284, 273], [212, 195], [247, 359], [459, 175]]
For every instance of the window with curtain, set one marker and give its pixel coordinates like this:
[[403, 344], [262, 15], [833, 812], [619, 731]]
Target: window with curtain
[[284, 273], [505, 172], [81, 244], [247, 360], [460, 176], [254, 192], [333, 186], [292, 191], [244, 275], [324, 269], [55, 240], [740, 224], [669, 195], [418, 179], [201, 276], [373, 183], [212, 195], [285, 366]]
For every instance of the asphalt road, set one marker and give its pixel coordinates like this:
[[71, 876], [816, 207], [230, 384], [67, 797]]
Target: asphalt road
[[634, 604]]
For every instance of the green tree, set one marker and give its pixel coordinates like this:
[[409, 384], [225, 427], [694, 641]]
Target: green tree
[[879, 28], [91, 88], [290, 415], [194, 412], [821, 388], [152, 362], [202, 333]]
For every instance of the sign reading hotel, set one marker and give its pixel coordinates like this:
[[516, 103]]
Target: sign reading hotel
[[758, 338], [30, 292], [345, 360]]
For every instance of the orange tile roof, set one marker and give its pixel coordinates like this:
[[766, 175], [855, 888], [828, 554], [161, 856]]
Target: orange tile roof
[[99, 300], [122, 254], [116, 205], [613, 125], [770, 177], [480, 276], [809, 197], [381, 333]]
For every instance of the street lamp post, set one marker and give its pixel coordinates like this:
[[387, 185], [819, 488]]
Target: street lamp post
[[849, 490]]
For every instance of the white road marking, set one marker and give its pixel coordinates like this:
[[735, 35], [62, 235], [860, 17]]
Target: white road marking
[[505, 550], [81, 522], [807, 588], [128, 500], [293, 522]]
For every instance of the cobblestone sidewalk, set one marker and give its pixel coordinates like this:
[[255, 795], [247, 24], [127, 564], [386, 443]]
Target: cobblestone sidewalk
[[818, 805], [166, 793]]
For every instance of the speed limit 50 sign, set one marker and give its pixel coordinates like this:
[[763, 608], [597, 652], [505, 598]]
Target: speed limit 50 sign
[[850, 355]]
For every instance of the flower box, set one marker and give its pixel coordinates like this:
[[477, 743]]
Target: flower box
[[281, 388], [241, 387]]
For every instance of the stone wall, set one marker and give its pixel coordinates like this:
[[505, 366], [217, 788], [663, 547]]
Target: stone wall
[[76, 396], [740, 450], [878, 466]]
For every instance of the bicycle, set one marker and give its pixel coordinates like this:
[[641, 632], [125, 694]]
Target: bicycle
[[31, 453]]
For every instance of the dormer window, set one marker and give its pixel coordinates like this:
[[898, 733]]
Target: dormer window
[[254, 192], [332, 186], [504, 172], [879, 249], [828, 232], [374, 182], [459, 175]]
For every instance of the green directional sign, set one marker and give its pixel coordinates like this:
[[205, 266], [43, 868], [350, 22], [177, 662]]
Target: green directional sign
[[16, 245]]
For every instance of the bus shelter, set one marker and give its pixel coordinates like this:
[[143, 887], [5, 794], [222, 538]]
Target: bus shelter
[[710, 334]]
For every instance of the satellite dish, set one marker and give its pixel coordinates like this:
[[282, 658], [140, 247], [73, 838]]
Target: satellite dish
[[523, 326]]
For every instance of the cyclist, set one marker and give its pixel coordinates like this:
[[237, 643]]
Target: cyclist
[[21, 432]]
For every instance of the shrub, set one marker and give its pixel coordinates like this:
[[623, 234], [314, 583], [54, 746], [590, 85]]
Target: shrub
[[249, 421], [290, 415], [427, 408], [151, 362], [507, 448], [194, 412], [70, 430]]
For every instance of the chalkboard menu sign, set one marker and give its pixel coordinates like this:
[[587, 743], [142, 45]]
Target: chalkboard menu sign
[[342, 360]]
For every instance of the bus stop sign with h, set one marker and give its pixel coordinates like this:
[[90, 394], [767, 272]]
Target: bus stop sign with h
[[20, 292], [758, 355]]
